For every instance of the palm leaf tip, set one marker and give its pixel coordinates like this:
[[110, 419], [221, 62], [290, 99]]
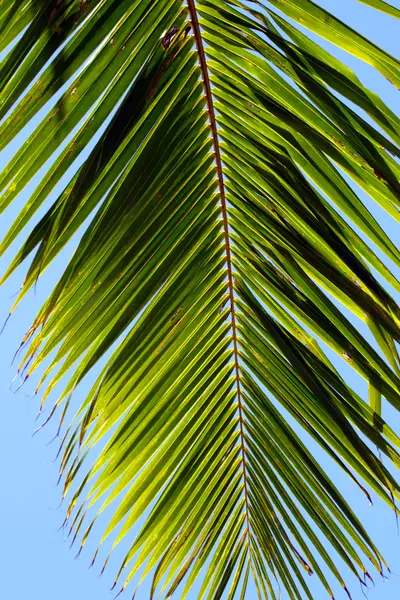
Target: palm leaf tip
[[227, 268]]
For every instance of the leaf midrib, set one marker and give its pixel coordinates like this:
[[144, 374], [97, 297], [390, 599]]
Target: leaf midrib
[[224, 211]]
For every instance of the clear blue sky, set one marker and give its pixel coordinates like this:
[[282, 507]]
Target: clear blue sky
[[35, 561]]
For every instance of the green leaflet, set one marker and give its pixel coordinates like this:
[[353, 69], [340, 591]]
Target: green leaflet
[[383, 6]]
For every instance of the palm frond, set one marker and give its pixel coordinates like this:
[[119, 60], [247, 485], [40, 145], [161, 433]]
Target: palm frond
[[208, 149]]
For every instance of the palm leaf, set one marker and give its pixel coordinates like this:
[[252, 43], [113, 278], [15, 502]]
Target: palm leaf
[[206, 149]]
